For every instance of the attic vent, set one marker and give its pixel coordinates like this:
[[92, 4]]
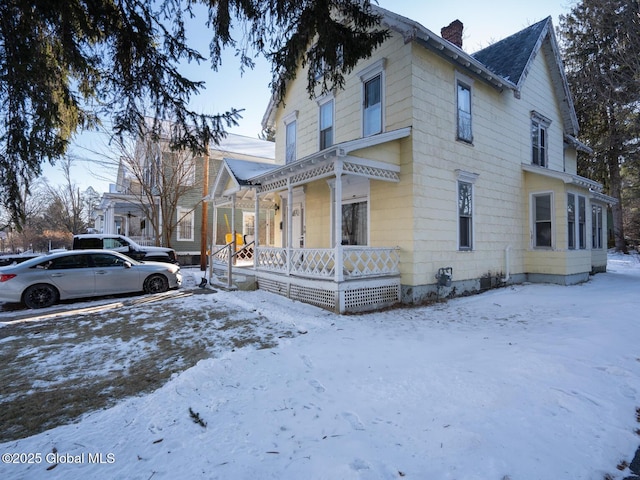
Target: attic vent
[[453, 33]]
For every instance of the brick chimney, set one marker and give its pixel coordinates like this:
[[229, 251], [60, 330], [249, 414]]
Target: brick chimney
[[453, 33]]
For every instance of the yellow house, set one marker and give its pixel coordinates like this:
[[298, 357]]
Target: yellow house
[[433, 173]]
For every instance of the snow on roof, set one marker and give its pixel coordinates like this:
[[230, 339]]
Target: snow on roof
[[246, 146], [246, 169]]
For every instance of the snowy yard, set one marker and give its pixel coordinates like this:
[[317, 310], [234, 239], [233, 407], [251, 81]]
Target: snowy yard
[[527, 382]]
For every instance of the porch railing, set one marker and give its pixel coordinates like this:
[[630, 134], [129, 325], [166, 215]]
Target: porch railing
[[357, 262], [223, 254]]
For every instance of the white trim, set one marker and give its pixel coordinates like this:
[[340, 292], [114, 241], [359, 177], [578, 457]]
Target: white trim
[[538, 117], [182, 214], [468, 177], [290, 117], [372, 70], [471, 247]]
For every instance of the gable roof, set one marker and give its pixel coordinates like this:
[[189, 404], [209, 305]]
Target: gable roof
[[512, 57], [238, 172]]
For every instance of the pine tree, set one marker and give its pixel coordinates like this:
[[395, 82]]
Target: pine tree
[[64, 64], [601, 43]]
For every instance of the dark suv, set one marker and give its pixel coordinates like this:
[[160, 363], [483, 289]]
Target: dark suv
[[122, 244]]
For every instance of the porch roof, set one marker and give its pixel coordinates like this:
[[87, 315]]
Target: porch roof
[[234, 175], [322, 164], [594, 187], [237, 176]]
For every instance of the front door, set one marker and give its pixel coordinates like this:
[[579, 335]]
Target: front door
[[297, 225]]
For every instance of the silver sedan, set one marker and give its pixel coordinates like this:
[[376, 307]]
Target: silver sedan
[[43, 281]]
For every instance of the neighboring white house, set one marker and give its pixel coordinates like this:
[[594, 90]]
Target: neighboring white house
[[120, 212], [433, 173]]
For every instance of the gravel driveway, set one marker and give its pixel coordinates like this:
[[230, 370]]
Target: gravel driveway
[[54, 370]]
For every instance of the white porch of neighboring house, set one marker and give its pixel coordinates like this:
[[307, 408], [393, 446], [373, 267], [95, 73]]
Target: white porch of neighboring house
[[119, 215], [342, 278]]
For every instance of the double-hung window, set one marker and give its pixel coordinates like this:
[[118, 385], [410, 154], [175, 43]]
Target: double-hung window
[[539, 140], [372, 79], [463, 101], [582, 222], [465, 210], [326, 124], [542, 220], [372, 115], [291, 133], [576, 222], [596, 226], [186, 169], [571, 221], [465, 215]]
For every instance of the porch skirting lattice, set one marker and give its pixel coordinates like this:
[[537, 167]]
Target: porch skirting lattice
[[345, 297]]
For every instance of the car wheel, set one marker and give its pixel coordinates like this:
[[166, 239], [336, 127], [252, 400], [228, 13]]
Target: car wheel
[[156, 284], [40, 295]]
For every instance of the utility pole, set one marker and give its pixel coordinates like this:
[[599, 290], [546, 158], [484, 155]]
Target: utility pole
[[204, 226]]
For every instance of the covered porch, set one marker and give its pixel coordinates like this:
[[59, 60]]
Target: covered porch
[[312, 240]]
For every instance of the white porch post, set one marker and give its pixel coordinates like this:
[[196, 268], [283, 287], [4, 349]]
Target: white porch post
[[337, 218], [256, 230], [214, 237], [233, 227], [109, 220], [289, 223]]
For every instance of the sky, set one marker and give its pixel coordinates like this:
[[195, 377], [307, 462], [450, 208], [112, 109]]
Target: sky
[[527, 382], [484, 23]]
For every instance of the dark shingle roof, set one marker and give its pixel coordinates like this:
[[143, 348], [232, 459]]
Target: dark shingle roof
[[509, 57]]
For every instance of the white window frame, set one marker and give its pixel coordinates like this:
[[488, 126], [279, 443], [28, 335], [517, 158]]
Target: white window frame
[[579, 227], [366, 75], [354, 190], [326, 102], [532, 204], [290, 148], [467, 178], [185, 214], [540, 139], [467, 83], [597, 229], [571, 223]]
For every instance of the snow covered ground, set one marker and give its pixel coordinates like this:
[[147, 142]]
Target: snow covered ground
[[526, 382]]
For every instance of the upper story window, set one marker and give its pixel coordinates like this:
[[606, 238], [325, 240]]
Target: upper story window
[[463, 101], [186, 169], [291, 126], [326, 123], [539, 139], [372, 79], [372, 114]]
